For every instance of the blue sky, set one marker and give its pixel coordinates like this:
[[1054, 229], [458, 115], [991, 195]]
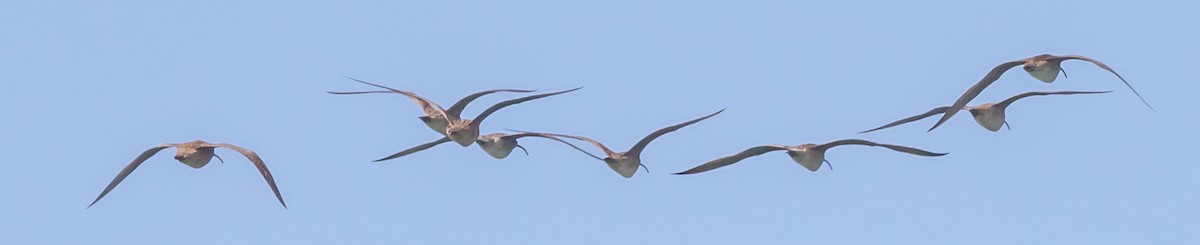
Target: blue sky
[[89, 85]]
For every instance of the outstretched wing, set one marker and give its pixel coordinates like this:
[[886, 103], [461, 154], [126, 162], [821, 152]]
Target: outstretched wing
[[904, 149], [966, 97], [929, 113], [1010, 100], [129, 169], [457, 108], [1105, 67], [731, 159], [552, 137], [258, 163], [483, 115], [607, 152], [637, 148], [427, 106], [415, 149]]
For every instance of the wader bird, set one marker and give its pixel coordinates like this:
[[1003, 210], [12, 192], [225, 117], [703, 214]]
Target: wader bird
[[1044, 67], [627, 163], [432, 118], [195, 154], [497, 145], [464, 131], [988, 115], [808, 155]]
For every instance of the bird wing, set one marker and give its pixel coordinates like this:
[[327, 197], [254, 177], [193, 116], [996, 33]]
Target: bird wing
[[427, 106], [1014, 98], [1105, 67], [483, 115], [552, 137], [458, 107], [731, 159], [129, 169], [258, 163], [637, 148], [607, 152], [929, 113], [904, 149], [976, 89], [415, 149]]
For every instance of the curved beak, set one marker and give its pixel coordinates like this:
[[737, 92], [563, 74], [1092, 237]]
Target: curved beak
[[523, 149]]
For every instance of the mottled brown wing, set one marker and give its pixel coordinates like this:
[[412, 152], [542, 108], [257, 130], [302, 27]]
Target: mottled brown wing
[[636, 150], [929, 113], [1010, 100], [974, 91], [483, 115], [1105, 67], [258, 163], [552, 137], [457, 108], [129, 169], [904, 149], [731, 159], [415, 149]]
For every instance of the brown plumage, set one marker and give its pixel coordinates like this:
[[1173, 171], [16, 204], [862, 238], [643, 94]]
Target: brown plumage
[[195, 154]]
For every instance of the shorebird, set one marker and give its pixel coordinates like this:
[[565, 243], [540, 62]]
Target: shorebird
[[195, 154], [626, 163], [988, 115], [463, 131], [497, 145], [808, 155], [432, 118], [1044, 67]]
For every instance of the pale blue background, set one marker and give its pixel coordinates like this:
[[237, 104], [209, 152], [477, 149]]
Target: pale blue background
[[89, 85]]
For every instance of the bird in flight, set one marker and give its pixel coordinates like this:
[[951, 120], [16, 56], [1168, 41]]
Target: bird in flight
[[626, 163], [1044, 67], [497, 145], [195, 154], [808, 155], [432, 118], [988, 115]]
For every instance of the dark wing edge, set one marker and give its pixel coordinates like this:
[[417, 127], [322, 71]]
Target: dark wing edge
[[555, 138], [975, 89], [258, 163], [641, 144], [904, 149], [1105, 67], [1014, 98], [459, 106], [415, 149], [129, 169], [475, 122], [929, 113], [731, 159]]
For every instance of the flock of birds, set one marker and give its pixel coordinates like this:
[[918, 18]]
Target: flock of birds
[[465, 132]]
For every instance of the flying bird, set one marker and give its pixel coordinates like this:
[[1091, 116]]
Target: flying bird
[[808, 155], [195, 154], [626, 163], [432, 118], [497, 145], [988, 115], [1044, 67], [464, 131]]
